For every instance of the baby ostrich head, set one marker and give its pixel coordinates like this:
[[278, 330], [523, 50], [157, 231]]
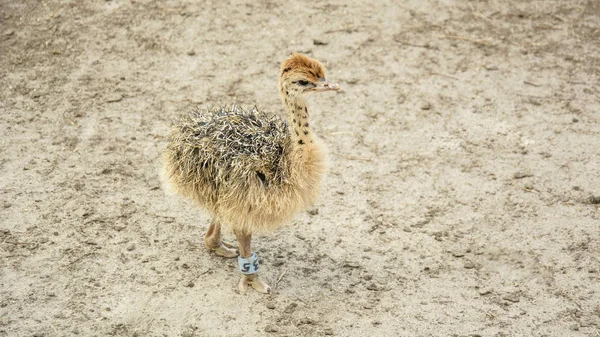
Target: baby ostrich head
[[301, 75]]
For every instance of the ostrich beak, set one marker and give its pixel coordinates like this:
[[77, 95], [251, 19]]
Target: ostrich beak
[[325, 85]]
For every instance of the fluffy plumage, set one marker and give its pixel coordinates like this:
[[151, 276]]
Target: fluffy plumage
[[225, 144], [241, 167]]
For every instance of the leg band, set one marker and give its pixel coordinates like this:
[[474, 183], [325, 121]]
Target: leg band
[[248, 266]]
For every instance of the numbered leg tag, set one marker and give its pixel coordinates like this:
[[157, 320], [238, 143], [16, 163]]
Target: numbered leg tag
[[248, 266]]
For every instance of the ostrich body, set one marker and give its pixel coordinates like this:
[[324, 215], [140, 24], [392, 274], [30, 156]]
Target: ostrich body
[[252, 171]]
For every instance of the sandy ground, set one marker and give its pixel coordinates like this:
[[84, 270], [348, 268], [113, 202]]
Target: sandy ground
[[464, 161]]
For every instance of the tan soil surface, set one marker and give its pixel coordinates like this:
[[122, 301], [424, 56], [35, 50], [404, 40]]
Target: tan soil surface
[[464, 152]]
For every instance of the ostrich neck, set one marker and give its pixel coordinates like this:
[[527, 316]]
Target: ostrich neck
[[297, 116]]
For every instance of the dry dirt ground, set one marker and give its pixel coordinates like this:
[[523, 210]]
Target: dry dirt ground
[[462, 196]]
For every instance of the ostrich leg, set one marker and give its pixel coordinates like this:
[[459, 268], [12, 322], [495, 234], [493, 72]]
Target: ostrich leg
[[212, 241], [248, 264]]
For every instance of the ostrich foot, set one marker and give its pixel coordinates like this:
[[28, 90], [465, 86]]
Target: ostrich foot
[[255, 282], [223, 249]]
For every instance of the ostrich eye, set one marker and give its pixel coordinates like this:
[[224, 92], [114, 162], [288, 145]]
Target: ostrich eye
[[303, 82]]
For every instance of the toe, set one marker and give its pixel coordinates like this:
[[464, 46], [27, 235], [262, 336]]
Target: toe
[[260, 286], [255, 282], [228, 245], [226, 251], [223, 249], [243, 284]]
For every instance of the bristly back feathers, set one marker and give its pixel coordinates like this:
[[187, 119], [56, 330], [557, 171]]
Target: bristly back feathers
[[225, 144]]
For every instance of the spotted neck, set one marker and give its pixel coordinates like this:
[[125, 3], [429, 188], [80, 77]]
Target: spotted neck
[[297, 116]]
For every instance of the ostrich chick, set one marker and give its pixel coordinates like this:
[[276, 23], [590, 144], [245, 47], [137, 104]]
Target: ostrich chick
[[251, 170]]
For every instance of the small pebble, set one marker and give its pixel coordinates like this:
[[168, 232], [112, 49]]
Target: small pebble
[[351, 265], [485, 291], [308, 321], [290, 308], [115, 97], [491, 67], [458, 254], [190, 284], [372, 287], [328, 332], [37, 94], [270, 305], [426, 106], [407, 229], [594, 199], [191, 53], [511, 298], [575, 120], [131, 247], [522, 174], [469, 265], [271, 328]]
